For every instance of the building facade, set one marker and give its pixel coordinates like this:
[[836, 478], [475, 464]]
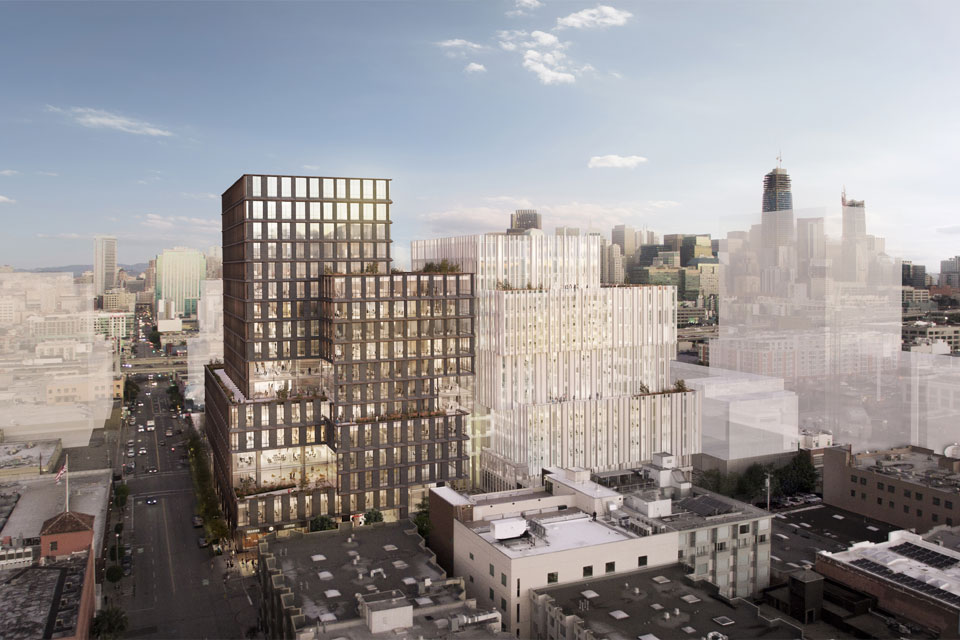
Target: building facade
[[339, 388], [104, 264], [569, 373], [179, 272]]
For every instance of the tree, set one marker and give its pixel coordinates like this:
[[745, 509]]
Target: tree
[[114, 573], [109, 623], [118, 528], [322, 523], [154, 337], [372, 515], [218, 529], [130, 390], [120, 495], [373, 267], [680, 385], [799, 476], [422, 519]]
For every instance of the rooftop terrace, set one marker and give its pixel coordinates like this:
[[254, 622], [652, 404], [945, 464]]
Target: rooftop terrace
[[912, 464]]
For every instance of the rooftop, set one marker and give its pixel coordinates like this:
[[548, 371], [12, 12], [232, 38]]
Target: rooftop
[[42, 498], [39, 601], [912, 464], [326, 570], [552, 532], [27, 455], [700, 508], [909, 561], [660, 603]]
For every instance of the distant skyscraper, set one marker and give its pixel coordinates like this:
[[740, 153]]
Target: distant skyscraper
[[625, 237], [104, 264], [179, 272], [777, 220], [523, 219], [854, 218]]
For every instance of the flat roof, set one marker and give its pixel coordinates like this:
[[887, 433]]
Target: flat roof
[[909, 464], [325, 570], [700, 508], [816, 528], [553, 531], [42, 498], [28, 454], [660, 603], [910, 562], [35, 598]]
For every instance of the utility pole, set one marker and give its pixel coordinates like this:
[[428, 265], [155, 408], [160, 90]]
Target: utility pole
[[767, 482]]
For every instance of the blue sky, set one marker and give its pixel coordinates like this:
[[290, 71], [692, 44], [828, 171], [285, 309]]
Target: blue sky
[[132, 118]]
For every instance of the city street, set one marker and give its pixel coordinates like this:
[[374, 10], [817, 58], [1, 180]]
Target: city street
[[176, 589]]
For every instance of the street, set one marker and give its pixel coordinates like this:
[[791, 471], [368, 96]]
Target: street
[[176, 589]]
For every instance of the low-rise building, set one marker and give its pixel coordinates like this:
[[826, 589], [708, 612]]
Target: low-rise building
[[923, 331], [578, 526], [358, 582], [916, 578], [653, 603], [910, 487]]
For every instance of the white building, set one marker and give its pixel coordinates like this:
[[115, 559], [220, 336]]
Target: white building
[[179, 272], [104, 264], [568, 373], [506, 544], [207, 346]]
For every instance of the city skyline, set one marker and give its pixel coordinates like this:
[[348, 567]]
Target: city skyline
[[603, 132]]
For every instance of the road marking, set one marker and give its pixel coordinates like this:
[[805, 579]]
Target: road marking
[[166, 541]]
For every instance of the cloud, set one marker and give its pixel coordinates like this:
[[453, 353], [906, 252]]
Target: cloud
[[9, 172], [6, 200], [458, 47], [542, 54], [523, 6], [100, 119], [663, 204], [200, 196], [952, 230], [601, 16], [615, 162], [186, 225], [63, 236], [474, 67]]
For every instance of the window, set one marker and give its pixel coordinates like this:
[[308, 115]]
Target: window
[[53, 545], [720, 546], [919, 513], [611, 567], [642, 560], [853, 478], [890, 504], [948, 504], [588, 570], [503, 604], [491, 594], [863, 496], [906, 509], [880, 486], [853, 493], [936, 502], [492, 571], [906, 493], [949, 522], [503, 579], [935, 517], [744, 528], [552, 577], [471, 578], [471, 555], [891, 488], [918, 495], [863, 481], [880, 501]]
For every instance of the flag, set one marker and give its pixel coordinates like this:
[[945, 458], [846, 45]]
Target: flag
[[62, 471]]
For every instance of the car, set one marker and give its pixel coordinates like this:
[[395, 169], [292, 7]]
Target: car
[[150, 500], [126, 559], [128, 570], [141, 429], [203, 543], [130, 442], [152, 470], [128, 550], [131, 453], [142, 452], [169, 433], [139, 404], [197, 521], [163, 442]]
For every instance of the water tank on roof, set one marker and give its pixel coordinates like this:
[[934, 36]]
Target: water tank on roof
[[952, 451]]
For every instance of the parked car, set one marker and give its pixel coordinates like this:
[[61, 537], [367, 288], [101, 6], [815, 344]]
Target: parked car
[[197, 522], [143, 451], [131, 453], [150, 500], [203, 543]]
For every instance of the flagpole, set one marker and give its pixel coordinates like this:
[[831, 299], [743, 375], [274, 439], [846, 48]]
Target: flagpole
[[66, 474]]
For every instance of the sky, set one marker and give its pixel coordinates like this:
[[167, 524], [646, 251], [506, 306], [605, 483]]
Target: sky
[[131, 118]]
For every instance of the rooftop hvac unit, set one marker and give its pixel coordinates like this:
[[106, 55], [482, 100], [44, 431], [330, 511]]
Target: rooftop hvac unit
[[508, 528]]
